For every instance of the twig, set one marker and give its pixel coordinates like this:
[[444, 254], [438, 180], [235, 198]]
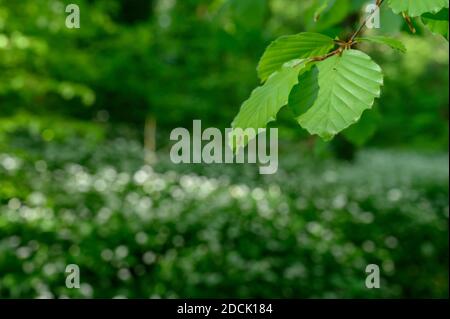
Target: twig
[[358, 31], [326, 56], [348, 44], [409, 22]]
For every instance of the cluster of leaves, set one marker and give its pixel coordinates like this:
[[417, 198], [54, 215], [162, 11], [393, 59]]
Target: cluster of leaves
[[222, 231], [327, 90], [433, 13]]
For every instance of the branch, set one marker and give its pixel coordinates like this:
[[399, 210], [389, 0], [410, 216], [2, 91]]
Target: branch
[[409, 22], [348, 44], [326, 56], [358, 31]]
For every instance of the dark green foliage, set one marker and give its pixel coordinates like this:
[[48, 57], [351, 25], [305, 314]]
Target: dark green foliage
[[186, 60]]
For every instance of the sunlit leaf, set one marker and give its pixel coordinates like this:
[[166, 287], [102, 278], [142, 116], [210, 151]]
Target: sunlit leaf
[[415, 8], [266, 100], [287, 48], [346, 86]]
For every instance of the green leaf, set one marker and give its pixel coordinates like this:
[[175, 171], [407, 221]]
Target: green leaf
[[287, 48], [393, 43], [266, 100], [437, 23], [415, 8], [345, 86]]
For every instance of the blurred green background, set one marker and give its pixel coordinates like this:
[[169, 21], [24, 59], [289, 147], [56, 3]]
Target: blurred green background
[[85, 175]]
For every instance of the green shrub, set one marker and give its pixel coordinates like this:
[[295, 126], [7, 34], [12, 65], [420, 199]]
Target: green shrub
[[223, 231]]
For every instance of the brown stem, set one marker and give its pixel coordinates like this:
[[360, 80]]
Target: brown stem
[[326, 56], [358, 31], [343, 45], [409, 22]]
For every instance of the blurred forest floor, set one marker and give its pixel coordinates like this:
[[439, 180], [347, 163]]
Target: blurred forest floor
[[216, 230]]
